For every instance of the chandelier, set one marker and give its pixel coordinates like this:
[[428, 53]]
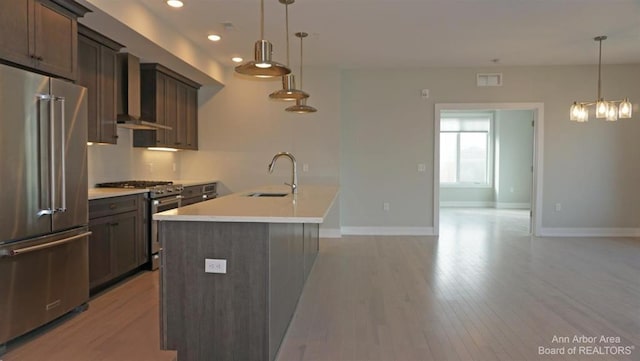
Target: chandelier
[[609, 110]]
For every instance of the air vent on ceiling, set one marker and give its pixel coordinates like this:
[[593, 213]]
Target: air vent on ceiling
[[489, 79]]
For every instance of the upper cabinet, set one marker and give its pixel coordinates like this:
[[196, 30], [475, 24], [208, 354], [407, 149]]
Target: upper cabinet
[[97, 70], [170, 99], [41, 35], [97, 62]]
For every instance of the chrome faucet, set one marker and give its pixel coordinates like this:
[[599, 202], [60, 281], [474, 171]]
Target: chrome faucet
[[294, 175]]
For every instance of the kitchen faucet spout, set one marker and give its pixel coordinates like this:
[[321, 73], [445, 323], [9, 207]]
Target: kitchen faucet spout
[[294, 169]]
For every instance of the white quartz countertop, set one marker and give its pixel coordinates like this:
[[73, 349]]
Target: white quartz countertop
[[98, 193], [192, 182], [309, 205]]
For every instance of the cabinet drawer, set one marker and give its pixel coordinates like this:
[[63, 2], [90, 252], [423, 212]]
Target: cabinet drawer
[[114, 205]]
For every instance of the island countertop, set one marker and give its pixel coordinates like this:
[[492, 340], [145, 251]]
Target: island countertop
[[310, 205]]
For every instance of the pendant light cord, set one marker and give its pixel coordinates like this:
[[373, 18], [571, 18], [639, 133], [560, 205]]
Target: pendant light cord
[[261, 19], [599, 69], [286, 11], [301, 87]]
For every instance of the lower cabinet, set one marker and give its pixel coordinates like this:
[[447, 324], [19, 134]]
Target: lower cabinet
[[117, 244]]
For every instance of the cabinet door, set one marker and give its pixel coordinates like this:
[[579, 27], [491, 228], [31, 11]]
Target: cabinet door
[[180, 129], [311, 244], [100, 255], [107, 93], [171, 111], [16, 43], [88, 65], [55, 38], [192, 119], [124, 234]]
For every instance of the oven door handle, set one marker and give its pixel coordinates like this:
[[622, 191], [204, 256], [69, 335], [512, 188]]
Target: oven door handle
[[166, 201]]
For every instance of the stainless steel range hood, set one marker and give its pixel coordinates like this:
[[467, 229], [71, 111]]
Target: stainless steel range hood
[[129, 95]]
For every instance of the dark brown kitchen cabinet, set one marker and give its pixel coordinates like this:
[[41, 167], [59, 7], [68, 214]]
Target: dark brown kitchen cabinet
[[168, 99], [97, 72], [117, 245], [41, 35]]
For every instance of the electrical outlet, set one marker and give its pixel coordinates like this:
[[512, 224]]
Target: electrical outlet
[[174, 166], [424, 93], [558, 207], [215, 265], [150, 165], [305, 167], [422, 167], [386, 206]]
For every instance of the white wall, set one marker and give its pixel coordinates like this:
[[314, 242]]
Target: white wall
[[387, 128]]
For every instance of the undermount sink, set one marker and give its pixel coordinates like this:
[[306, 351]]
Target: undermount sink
[[262, 194]]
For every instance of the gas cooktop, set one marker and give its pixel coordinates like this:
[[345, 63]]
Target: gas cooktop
[[156, 188]]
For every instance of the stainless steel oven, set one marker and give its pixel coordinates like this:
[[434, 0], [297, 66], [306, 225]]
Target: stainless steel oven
[[160, 205]]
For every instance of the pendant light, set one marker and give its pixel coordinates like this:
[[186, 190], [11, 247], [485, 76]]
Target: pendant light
[[288, 91], [609, 110], [301, 104], [262, 66]]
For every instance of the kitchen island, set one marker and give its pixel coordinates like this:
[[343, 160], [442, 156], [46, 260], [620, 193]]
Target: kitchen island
[[232, 270]]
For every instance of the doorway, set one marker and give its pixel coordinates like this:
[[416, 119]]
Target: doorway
[[480, 177]]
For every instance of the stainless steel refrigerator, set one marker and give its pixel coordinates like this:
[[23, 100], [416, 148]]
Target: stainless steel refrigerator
[[44, 269]]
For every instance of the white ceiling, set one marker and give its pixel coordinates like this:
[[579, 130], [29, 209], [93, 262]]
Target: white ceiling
[[416, 33]]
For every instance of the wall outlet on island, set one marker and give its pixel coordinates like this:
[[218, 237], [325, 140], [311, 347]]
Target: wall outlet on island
[[215, 265], [305, 167], [386, 206]]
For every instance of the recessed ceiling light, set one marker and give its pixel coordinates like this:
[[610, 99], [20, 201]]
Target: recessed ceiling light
[[175, 3], [237, 59], [214, 37]]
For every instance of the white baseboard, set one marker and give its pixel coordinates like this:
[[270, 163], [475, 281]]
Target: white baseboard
[[509, 205], [467, 204], [388, 231], [589, 232], [330, 233], [484, 204]]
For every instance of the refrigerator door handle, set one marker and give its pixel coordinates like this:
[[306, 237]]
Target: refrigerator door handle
[[51, 209], [63, 165], [19, 251]]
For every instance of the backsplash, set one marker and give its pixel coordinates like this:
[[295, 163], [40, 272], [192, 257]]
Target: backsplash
[[108, 163]]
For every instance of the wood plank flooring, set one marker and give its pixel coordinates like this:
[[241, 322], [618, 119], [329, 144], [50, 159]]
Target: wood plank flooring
[[483, 290], [121, 324]]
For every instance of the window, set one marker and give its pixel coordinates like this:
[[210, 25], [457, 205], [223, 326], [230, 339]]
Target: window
[[465, 149]]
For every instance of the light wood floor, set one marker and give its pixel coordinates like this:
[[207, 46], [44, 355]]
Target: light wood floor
[[483, 290]]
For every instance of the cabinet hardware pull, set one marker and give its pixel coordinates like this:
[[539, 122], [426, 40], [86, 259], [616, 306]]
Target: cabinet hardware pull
[[40, 58], [112, 206], [114, 224]]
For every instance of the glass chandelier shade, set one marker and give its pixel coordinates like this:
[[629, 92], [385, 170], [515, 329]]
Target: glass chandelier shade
[[609, 110]]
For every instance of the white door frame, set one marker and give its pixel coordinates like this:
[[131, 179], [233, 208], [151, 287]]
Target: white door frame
[[538, 155]]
